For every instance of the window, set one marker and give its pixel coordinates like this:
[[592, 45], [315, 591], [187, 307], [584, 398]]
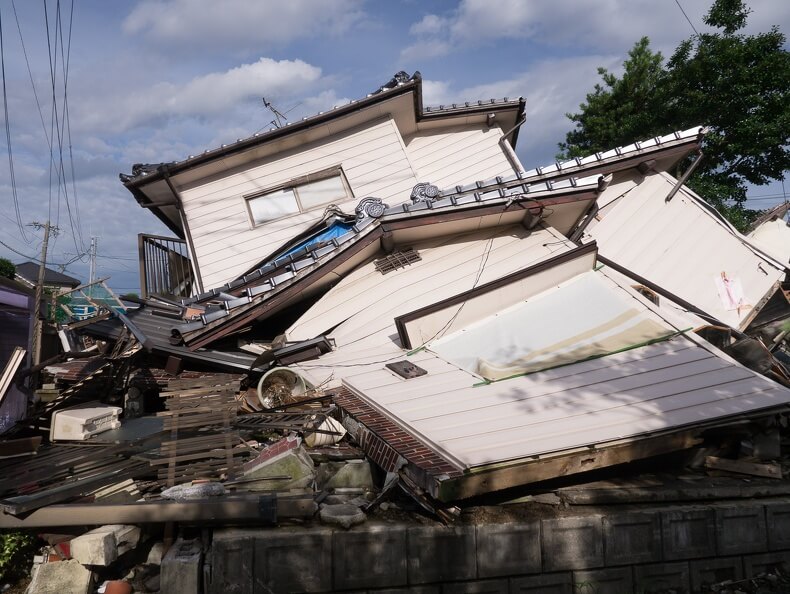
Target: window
[[300, 195]]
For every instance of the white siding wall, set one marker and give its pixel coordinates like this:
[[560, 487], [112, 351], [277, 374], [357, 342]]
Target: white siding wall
[[376, 162], [458, 155], [226, 244]]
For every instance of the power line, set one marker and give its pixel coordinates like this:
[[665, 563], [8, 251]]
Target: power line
[[30, 74], [687, 17], [8, 140]]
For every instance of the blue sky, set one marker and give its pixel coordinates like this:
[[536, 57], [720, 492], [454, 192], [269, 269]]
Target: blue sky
[[157, 80]]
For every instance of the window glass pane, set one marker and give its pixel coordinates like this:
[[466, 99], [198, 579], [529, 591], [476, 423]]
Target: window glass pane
[[324, 191], [273, 206]]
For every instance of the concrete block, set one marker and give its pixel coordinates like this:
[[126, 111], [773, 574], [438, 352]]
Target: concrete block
[[766, 563], [688, 534], [62, 577], [712, 571], [182, 568], [441, 554], [778, 520], [632, 538], [618, 580], [354, 474], [293, 560], [547, 583], [572, 543], [104, 545], [372, 558], [294, 463], [94, 548], [741, 529], [657, 578], [477, 587], [155, 554], [232, 562], [508, 549]]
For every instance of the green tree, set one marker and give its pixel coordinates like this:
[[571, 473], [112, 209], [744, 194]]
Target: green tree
[[7, 268], [735, 84]]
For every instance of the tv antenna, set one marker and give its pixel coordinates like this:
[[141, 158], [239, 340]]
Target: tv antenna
[[279, 118]]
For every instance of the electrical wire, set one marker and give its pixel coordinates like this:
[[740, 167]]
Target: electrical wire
[[8, 140], [30, 74], [687, 17], [18, 253]]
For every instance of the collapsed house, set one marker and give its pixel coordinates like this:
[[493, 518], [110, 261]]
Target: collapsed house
[[477, 326], [481, 325]]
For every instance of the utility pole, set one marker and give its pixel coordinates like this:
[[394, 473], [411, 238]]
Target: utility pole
[[92, 255], [36, 346]]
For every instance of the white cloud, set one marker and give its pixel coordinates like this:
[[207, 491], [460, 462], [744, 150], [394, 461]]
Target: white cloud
[[239, 23], [205, 95], [600, 25], [429, 25], [436, 92], [424, 50], [552, 87]]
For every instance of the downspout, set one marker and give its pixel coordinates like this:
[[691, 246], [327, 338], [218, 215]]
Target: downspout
[[684, 177], [187, 232], [508, 150]]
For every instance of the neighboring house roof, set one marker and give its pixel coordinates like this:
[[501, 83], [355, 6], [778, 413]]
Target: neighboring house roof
[[28, 271], [772, 233], [684, 246], [160, 199]]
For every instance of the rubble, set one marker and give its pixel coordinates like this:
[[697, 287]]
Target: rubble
[[102, 546], [521, 338], [63, 577], [182, 568]]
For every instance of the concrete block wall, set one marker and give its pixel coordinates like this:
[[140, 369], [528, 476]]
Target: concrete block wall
[[649, 550]]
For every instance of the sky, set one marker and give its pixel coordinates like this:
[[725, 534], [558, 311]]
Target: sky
[[150, 81]]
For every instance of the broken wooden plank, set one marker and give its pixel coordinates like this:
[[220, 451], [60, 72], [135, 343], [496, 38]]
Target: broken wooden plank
[[764, 469]]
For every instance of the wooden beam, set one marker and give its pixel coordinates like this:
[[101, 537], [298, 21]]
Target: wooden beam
[[504, 476], [248, 508]]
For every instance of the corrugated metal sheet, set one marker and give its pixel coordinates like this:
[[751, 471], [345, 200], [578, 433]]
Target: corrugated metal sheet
[[683, 247]]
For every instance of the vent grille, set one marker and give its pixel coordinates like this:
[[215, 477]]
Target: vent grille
[[395, 260]]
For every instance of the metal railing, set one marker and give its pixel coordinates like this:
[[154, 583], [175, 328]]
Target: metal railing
[[165, 268]]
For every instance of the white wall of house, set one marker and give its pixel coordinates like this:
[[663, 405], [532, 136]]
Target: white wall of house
[[458, 155], [376, 161]]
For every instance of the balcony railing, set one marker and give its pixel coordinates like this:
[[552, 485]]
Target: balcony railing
[[165, 268]]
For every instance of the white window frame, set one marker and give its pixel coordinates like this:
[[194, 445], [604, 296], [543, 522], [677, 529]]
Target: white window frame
[[293, 185]]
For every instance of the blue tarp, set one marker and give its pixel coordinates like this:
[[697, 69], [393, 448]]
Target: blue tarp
[[336, 229]]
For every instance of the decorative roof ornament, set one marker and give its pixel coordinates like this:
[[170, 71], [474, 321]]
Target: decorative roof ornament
[[424, 192], [398, 79], [141, 169], [370, 207]]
